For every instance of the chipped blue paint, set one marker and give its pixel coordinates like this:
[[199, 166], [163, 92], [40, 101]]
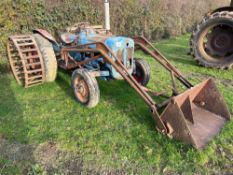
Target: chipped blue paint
[[85, 38], [119, 46]]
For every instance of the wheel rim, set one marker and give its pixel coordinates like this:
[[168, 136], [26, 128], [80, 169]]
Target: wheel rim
[[81, 90], [216, 43]]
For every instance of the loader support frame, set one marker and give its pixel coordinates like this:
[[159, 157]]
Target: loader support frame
[[103, 50], [141, 43], [179, 109]]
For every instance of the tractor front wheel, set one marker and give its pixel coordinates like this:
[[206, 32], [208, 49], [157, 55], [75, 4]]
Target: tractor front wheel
[[142, 71], [85, 87]]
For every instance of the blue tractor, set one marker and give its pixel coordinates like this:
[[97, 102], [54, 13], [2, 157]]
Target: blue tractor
[[90, 63], [194, 116]]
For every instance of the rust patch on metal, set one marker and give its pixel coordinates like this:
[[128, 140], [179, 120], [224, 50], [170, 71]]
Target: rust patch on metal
[[130, 52], [25, 60], [197, 115], [120, 54]]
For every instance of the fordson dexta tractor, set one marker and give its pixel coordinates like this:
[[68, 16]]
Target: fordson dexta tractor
[[212, 40], [194, 116]]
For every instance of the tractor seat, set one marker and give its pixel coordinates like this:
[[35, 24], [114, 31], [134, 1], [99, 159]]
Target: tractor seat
[[68, 38]]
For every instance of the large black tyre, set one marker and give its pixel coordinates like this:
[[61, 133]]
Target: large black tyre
[[48, 56], [217, 51], [85, 88], [142, 71]]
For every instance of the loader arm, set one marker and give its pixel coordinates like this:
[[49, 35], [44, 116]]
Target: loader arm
[[142, 44], [104, 50], [194, 116], [109, 57]]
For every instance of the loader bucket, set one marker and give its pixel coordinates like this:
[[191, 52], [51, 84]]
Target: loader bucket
[[196, 115]]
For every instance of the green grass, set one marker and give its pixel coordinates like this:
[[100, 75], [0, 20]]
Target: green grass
[[119, 134]]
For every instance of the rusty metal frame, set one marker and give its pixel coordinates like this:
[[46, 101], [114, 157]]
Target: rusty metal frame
[[26, 60], [142, 43], [68, 61]]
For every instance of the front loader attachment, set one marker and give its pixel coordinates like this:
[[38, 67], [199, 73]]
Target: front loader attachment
[[196, 115], [193, 117]]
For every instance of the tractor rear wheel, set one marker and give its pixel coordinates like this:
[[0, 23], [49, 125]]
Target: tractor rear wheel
[[142, 71], [26, 61], [49, 57], [212, 41], [85, 87]]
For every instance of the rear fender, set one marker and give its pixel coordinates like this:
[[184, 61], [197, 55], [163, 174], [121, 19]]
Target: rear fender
[[45, 34]]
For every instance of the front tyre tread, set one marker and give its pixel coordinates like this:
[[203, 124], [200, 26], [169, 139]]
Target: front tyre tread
[[93, 88]]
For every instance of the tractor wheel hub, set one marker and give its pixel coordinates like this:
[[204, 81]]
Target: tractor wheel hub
[[220, 42]]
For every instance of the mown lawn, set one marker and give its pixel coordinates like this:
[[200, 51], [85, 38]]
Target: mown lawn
[[117, 136]]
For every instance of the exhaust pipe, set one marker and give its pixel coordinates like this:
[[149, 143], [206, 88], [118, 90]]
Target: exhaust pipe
[[107, 15]]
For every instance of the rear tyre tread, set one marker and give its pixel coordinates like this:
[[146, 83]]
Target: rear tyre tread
[[49, 57], [193, 41]]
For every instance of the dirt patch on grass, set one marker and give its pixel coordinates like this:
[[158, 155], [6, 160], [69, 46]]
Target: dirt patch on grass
[[47, 155], [47, 158], [15, 152], [54, 160]]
